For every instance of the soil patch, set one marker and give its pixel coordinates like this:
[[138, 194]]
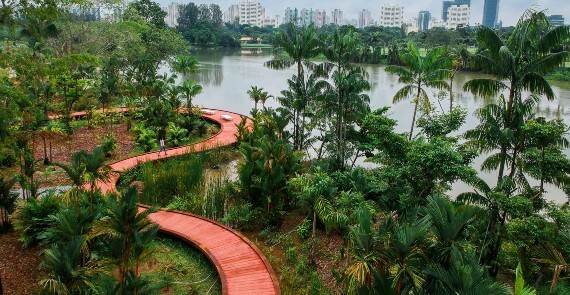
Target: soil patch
[[18, 266]]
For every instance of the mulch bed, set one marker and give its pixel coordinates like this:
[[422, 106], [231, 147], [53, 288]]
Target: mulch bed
[[18, 266], [86, 139]]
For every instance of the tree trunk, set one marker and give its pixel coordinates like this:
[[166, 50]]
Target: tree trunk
[[413, 121], [46, 160]]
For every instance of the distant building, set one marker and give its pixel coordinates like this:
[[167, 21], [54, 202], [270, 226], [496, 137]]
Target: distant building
[[491, 13], [411, 25], [364, 18], [85, 14], [307, 17], [321, 18], [448, 3], [275, 21], [251, 13], [556, 20], [172, 14], [458, 16], [291, 15], [232, 14], [424, 18], [337, 17], [391, 15]]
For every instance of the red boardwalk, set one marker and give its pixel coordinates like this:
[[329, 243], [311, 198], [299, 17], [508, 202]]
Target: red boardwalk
[[243, 269]]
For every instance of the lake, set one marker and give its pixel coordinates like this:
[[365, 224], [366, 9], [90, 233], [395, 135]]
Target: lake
[[227, 74]]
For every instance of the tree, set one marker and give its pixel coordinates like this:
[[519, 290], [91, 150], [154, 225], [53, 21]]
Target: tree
[[544, 159], [190, 90], [419, 73], [256, 93], [150, 12], [518, 63], [127, 232], [184, 64], [188, 17], [300, 44], [300, 99], [343, 103], [7, 201]]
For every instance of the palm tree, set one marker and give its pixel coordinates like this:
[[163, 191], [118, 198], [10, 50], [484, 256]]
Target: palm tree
[[300, 44], [343, 104], [519, 63], [448, 222], [419, 73], [190, 89], [66, 273], [464, 276], [127, 231], [299, 99], [184, 64], [7, 200], [95, 170], [256, 94], [75, 169]]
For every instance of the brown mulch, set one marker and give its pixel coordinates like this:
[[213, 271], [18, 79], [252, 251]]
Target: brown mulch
[[18, 267], [85, 138]]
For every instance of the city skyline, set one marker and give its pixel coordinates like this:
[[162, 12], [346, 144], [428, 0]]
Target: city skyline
[[509, 10]]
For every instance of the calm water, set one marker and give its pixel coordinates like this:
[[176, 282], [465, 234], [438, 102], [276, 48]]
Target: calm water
[[226, 75]]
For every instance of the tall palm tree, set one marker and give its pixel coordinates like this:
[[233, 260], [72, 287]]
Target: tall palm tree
[[299, 99], [190, 89], [95, 170], [257, 94], [300, 44], [519, 63], [419, 73], [343, 104]]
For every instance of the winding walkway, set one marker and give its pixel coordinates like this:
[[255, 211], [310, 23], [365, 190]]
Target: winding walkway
[[242, 267]]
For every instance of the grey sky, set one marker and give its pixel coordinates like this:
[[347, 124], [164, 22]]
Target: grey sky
[[509, 10]]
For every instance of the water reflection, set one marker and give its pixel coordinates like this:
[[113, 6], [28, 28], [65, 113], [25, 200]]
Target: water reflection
[[227, 74]]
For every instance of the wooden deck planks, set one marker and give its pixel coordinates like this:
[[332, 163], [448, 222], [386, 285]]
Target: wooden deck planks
[[242, 267]]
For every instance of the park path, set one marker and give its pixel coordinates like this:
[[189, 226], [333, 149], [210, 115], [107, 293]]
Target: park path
[[242, 267]]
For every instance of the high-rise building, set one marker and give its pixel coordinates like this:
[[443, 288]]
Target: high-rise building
[[291, 15], [172, 14], [391, 15], [232, 14], [364, 18], [449, 3], [337, 17], [556, 20], [251, 13], [424, 18], [458, 16], [491, 13], [321, 18], [307, 17]]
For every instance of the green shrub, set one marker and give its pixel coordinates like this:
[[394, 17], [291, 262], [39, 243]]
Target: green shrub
[[176, 135], [304, 229], [241, 217], [146, 139], [108, 144], [291, 255], [33, 218]]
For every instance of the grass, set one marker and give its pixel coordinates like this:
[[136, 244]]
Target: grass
[[186, 268], [256, 46]]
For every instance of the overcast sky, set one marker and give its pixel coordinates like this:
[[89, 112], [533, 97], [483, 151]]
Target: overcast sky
[[509, 10]]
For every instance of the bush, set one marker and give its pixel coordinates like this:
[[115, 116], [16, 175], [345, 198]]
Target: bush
[[33, 217], [108, 144], [304, 229], [146, 139], [176, 135], [241, 217]]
